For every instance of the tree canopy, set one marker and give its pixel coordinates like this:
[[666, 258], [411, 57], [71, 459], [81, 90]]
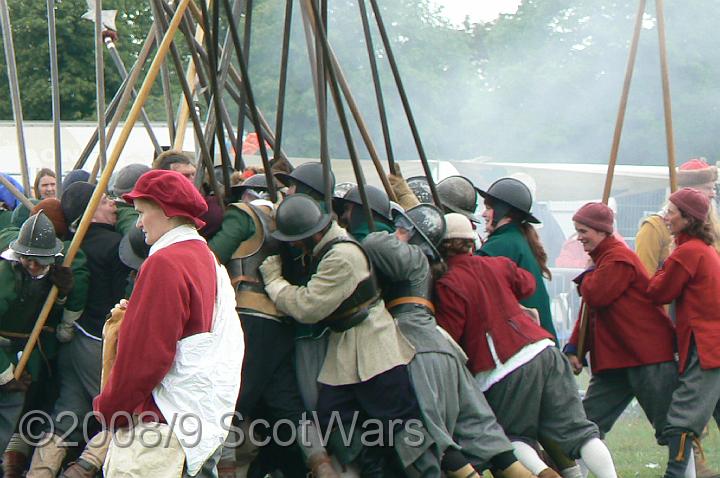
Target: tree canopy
[[540, 85]]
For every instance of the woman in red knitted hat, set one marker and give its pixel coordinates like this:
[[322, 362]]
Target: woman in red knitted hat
[[625, 365], [690, 276]]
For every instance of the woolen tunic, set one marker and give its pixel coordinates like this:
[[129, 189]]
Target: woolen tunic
[[171, 301], [691, 277], [622, 316], [509, 241], [362, 352]]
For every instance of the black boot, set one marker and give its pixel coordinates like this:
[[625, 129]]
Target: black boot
[[680, 450]]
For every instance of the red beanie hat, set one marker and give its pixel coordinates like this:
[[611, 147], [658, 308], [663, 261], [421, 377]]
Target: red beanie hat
[[692, 202], [173, 192], [596, 215], [53, 210], [695, 172]]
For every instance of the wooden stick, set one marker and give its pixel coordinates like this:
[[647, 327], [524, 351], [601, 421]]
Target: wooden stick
[[378, 86], [312, 16], [667, 106], [55, 89], [184, 113], [104, 180], [99, 88], [16, 192], [619, 122], [120, 65], [362, 127], [14, 92], [404, 100]]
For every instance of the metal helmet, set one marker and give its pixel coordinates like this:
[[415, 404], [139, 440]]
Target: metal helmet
[[299, 217], [429, 222], [457, 194], [421, 188], [37, 239], [377, 198], [512, 192], [310, 175], [258, 182], [133, 249], [342, 189]]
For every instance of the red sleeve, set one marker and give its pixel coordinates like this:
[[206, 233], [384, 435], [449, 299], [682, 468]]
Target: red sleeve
[[154, 322], [522, 282], [668, 283], [604, 285], [451, 310]]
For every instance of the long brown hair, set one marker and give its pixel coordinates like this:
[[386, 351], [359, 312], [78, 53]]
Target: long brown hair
[[533, 240], [703, 230], [41, 174]]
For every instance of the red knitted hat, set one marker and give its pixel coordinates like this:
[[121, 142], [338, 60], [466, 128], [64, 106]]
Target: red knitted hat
[[692, 202], [596, 215], [173, 192], [695, 172]]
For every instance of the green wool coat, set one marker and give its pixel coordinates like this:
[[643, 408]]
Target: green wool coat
[[509, 241]]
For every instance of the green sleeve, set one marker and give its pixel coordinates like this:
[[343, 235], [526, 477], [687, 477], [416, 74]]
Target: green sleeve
[[7, 296], [8, 235], [237, 226], [126, 219], [81, 281], [5, 221]]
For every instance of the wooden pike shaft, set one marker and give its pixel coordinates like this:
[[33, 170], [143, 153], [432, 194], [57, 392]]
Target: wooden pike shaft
[[583, 326], [620, 120], [190, 77], [667, 105], [55, 88], [355, 110], [16, 192], [104, 179], [100, 88], [14, 91], [404, 100]]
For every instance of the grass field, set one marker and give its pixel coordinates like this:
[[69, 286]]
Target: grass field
[[633, 447], [632, 444]]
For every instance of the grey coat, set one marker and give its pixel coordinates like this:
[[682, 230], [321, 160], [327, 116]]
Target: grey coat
[[454, 409]]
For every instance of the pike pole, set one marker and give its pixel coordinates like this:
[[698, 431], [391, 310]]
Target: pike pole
[[16, 192], [55, 88], [619, 122], [104, 179], [14, 91]]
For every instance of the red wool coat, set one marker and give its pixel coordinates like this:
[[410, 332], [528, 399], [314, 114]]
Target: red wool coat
[[479, 295], [691, 276], [626, 328], [171, 300]]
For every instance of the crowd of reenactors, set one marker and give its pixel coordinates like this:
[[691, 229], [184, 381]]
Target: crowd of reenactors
[[400, 316]]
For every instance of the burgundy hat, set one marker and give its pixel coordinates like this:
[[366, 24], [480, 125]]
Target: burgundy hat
[[692, 202], [596, 215], [53, 210], [173, 192]]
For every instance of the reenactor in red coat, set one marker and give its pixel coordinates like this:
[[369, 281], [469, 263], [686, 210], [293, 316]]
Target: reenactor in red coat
[[622, 319], [690, 276]]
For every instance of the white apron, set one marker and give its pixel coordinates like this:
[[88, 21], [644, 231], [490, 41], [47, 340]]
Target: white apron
[[197, 396]]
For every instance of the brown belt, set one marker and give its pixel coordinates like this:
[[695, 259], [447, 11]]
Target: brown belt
[[412, 300]]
